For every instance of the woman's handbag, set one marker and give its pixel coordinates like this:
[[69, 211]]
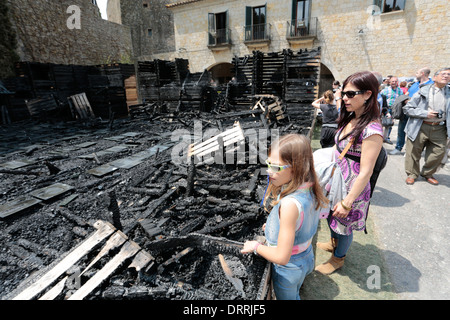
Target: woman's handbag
[[330, 176], [387, 121], [380, 163]]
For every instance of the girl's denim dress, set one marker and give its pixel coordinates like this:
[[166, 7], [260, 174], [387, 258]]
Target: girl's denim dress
[[287, 279]]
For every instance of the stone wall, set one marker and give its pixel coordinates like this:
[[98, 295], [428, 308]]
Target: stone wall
[[350, 37], [8, 43], [44, 36], [395, 43], [151, 24], [113, 11], [191, 31]]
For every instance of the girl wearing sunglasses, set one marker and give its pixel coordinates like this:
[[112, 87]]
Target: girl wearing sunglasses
[[295, 197], [359, 119]]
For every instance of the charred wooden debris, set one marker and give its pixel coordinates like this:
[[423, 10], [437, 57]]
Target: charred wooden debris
[[41, 91], [288, 78], [158, 206]]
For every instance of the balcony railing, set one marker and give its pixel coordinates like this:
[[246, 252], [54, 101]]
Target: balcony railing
[[257, 32], [302, 28], [219, 37]]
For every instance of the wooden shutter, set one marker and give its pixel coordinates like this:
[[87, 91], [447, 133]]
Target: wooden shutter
[[248, 16], [248, 24], [227, 28], [211, 28], [294, 10]]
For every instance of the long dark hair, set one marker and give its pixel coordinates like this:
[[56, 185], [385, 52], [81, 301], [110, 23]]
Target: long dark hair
[[363, 80]]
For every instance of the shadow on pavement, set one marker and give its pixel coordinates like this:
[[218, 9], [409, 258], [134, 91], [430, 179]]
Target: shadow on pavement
[[364, 275], [395, 199]]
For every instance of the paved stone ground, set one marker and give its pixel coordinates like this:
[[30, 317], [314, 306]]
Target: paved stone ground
[[412, 225], [404, 255]]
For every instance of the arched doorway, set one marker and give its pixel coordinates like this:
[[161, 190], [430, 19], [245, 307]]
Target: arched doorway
[[326, 79], [222, 73]]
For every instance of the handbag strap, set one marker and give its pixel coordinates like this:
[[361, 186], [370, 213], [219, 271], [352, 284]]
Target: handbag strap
[[341, 156], [349, 144]]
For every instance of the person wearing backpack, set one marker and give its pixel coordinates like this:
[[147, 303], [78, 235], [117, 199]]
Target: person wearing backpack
[[422, 77], [397, 113], [428, 128]]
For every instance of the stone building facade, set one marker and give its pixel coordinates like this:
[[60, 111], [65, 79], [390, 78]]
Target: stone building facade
[[151, 24], [67, 32], [392, 37]]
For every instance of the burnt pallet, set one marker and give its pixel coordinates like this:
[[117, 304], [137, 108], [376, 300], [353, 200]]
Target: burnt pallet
[[53, 282], [42, 107]]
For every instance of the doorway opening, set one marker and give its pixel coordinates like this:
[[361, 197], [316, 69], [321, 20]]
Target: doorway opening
[[326, 80], [222, 73]]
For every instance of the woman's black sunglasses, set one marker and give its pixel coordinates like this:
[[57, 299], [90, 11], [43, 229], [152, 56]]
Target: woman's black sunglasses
[[351, 94]]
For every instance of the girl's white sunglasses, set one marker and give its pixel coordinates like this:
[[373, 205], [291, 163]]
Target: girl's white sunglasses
[[275, 168]]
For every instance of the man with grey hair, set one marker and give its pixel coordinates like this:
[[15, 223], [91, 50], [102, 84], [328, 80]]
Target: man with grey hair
[[428, 127], [422, 77]]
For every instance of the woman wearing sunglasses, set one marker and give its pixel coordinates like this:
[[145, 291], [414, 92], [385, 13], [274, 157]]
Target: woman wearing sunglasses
[[359, 120], [295, 197]]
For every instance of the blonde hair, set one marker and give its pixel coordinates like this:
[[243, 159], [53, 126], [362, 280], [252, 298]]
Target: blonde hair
[[295, 150]]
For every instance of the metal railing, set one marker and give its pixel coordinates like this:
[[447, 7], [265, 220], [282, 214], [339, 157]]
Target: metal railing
[[218, 37], [257, 32], [302, 28]]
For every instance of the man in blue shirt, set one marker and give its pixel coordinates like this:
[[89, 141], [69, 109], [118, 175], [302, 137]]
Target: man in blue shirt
[[422, 76]]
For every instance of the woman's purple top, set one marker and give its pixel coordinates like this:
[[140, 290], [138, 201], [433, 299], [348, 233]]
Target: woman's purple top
[[356, 219]]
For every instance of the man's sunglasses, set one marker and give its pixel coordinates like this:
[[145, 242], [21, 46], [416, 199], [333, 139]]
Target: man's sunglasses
[[351, 94], [275, 168]]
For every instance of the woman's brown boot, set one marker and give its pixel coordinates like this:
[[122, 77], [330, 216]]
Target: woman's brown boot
[[333, 264], [328, 246]]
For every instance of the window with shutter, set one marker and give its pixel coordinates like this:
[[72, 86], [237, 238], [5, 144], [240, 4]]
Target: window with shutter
[[389, 5], [218, 29], [300, 23], [256, 23]]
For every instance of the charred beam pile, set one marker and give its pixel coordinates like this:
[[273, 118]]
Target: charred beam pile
[[191, 220], [161, 83], [291, 76], [153, 209], [106, 91], [103, 84], [301, 83]]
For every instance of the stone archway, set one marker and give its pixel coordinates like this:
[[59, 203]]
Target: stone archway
[[326, 79], [222, 72]]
